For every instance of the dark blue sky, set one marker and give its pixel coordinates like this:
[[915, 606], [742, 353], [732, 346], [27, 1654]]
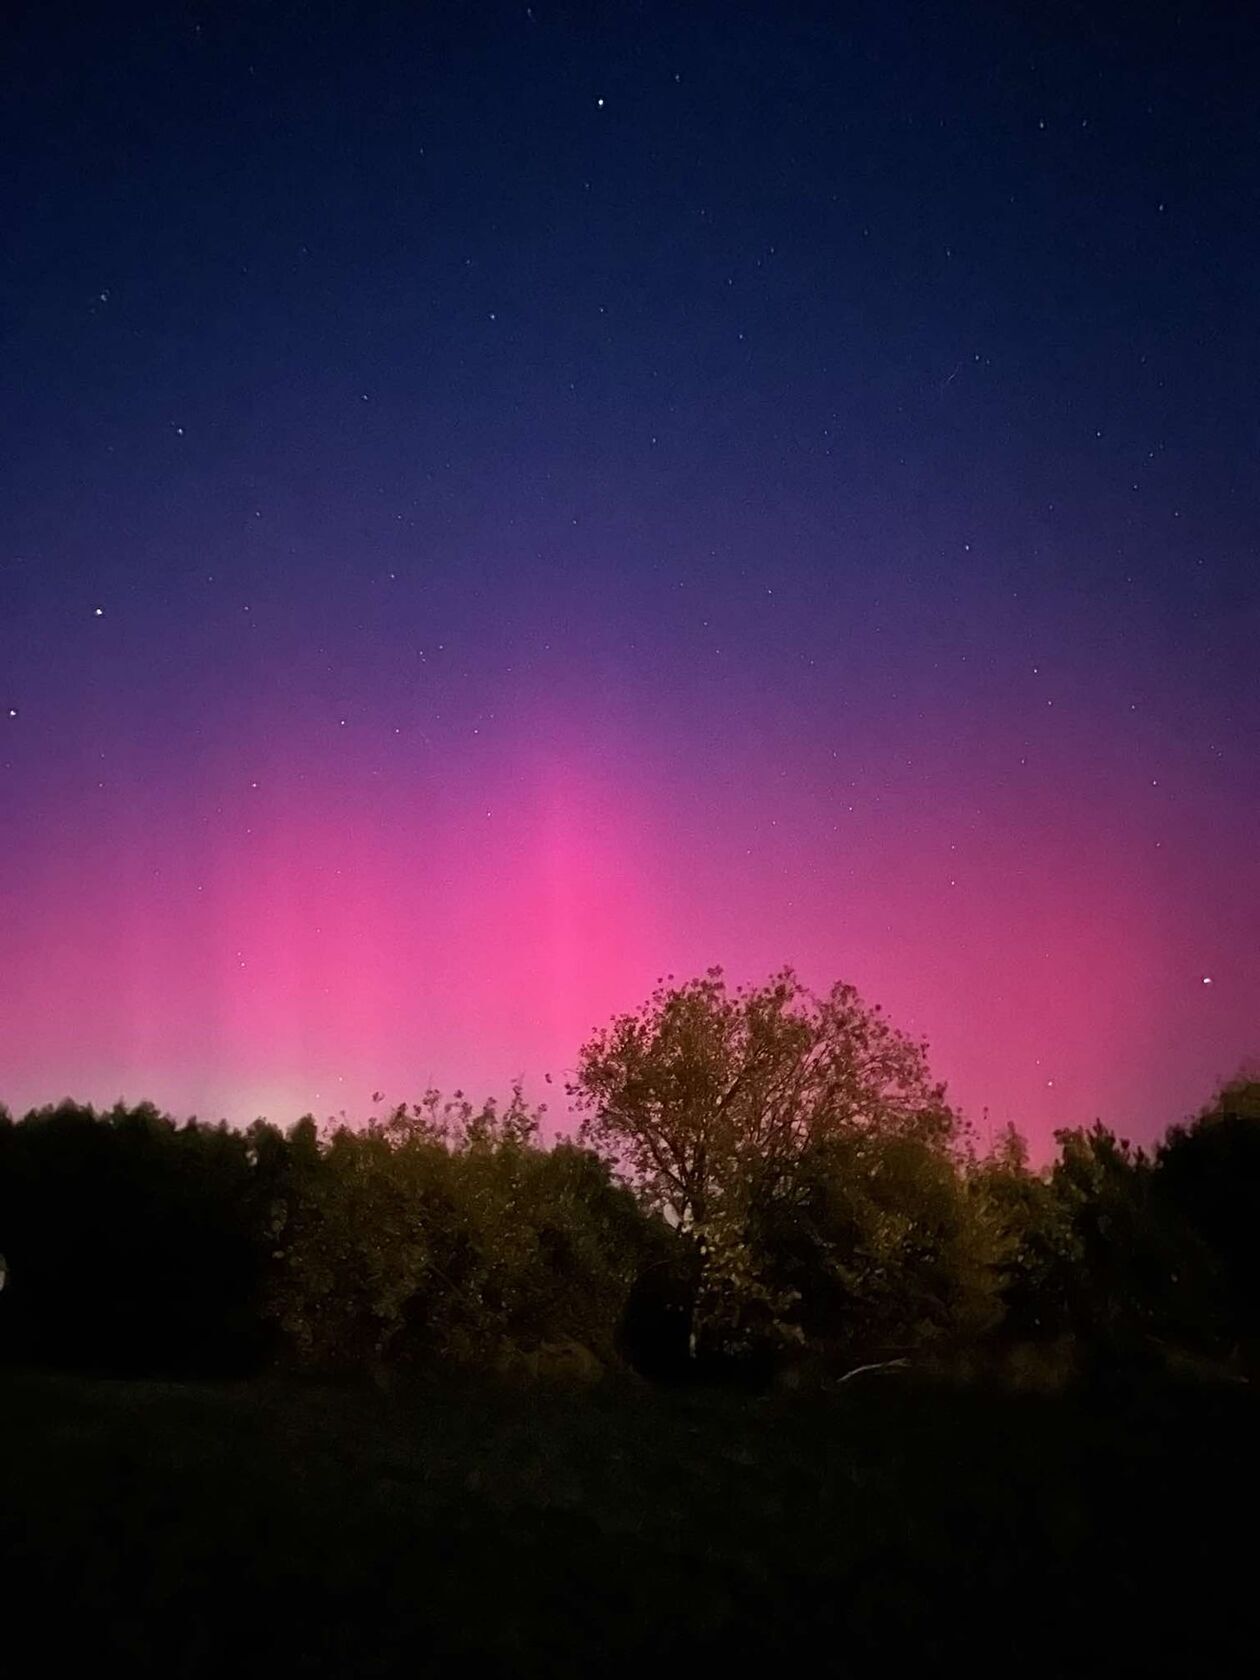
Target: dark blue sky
[[826, 435]]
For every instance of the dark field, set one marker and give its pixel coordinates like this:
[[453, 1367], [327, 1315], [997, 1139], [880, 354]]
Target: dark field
[[300, 1529]]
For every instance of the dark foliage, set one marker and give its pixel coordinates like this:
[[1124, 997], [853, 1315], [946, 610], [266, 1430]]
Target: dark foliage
[[1208, 1175], [135, 1244]]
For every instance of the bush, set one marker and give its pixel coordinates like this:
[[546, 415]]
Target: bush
[[444, 1233], [888, 1248]]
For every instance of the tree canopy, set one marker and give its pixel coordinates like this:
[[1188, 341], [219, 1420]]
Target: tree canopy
[[724, 1107]]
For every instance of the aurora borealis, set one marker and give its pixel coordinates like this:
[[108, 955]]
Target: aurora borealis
[[503, 503]]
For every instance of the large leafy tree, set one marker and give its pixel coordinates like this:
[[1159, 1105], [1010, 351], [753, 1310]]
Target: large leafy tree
[[711, 1100]]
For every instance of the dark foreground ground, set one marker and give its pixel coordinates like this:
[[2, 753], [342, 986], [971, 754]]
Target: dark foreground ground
[[304, 1530]]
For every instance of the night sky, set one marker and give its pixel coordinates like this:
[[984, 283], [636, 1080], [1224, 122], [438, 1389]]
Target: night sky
[[502, 503]]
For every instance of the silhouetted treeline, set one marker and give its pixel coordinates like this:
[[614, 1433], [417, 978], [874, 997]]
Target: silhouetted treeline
[[765, 1182]]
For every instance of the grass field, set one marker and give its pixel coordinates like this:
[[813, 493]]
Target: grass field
[[300, 1529]]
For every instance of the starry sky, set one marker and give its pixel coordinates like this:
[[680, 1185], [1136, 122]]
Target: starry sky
[[500, 503]]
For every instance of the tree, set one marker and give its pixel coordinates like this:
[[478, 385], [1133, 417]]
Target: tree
[[1136, 1272], [1042, 1246], [710, 1101], [1209, 1172], [136, 1243]]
